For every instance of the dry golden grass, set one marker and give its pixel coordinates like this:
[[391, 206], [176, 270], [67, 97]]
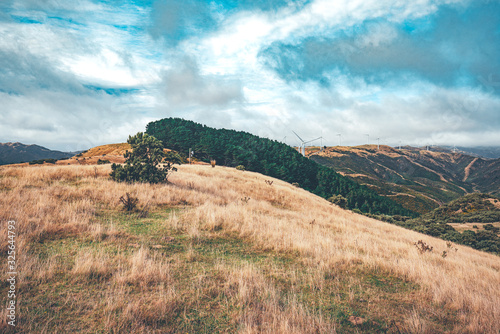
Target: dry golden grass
[[70, 229]]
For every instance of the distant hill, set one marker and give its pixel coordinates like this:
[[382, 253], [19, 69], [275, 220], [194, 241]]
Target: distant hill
[[16, 152], [233, 148], [103, 154], [418, 179]]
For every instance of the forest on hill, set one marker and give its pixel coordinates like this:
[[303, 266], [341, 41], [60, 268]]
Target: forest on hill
[[234, 148]]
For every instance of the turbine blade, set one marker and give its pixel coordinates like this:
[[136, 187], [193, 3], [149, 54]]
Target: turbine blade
[[302, 140]]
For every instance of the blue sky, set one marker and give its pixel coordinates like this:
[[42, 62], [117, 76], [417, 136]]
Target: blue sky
[[76, 74]]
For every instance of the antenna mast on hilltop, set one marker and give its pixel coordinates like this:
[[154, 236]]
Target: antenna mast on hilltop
[[340, 139]]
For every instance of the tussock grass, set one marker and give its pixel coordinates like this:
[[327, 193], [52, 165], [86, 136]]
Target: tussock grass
[[284, 261]]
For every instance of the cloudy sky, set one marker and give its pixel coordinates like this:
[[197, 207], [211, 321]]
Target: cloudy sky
[[80, 73]]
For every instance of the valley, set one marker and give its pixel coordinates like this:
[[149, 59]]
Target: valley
[[419, 180]]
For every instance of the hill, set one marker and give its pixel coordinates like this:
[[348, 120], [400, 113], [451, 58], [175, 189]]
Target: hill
[[269, 157], [16, 152], [419, 180], [221, 250], [110, 153]]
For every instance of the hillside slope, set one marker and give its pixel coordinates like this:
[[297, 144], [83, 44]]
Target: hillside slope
[[270, 157], [419, 180], [472, 220], [11, 153], [221, 250]]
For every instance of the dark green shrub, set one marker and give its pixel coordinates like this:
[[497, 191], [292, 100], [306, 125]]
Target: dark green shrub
[[490, 227], [41, 161], [143, 162]]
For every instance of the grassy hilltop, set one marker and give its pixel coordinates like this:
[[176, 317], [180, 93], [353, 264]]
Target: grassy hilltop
[[221, 250]]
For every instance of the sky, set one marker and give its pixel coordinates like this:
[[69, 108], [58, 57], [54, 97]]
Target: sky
[[81, 73]]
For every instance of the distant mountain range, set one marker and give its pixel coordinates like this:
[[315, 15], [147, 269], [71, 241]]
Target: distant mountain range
[[488, 152], [11, 153], [418, 179], [482, 152]]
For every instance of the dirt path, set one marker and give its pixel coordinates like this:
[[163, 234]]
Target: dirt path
[[467, 169]]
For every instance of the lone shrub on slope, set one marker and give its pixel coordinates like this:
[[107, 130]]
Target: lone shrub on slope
[[143, 163]]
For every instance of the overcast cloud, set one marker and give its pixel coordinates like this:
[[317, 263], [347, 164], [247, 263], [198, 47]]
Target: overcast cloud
[[83, 73]]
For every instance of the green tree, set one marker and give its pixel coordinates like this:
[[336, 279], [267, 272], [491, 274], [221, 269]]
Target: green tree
[[339, 200], [146, 162]]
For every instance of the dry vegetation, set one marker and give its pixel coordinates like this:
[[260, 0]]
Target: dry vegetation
[[220, 250]]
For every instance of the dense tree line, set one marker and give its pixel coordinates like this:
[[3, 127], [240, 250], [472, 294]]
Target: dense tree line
[[269, 157]]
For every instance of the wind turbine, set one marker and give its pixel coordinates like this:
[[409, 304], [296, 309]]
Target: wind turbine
[[340, 139], [303, 143]]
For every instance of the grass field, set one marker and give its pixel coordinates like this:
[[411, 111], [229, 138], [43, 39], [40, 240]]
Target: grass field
[[220, 250]]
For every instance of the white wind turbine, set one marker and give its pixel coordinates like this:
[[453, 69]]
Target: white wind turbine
[[302, 148]]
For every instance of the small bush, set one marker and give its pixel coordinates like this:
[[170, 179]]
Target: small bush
[[240, 167], [422, 247], [103, 162], [490, 227], [129, 202]]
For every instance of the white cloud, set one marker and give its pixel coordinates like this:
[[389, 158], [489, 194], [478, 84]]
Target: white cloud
[[216, 77]]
